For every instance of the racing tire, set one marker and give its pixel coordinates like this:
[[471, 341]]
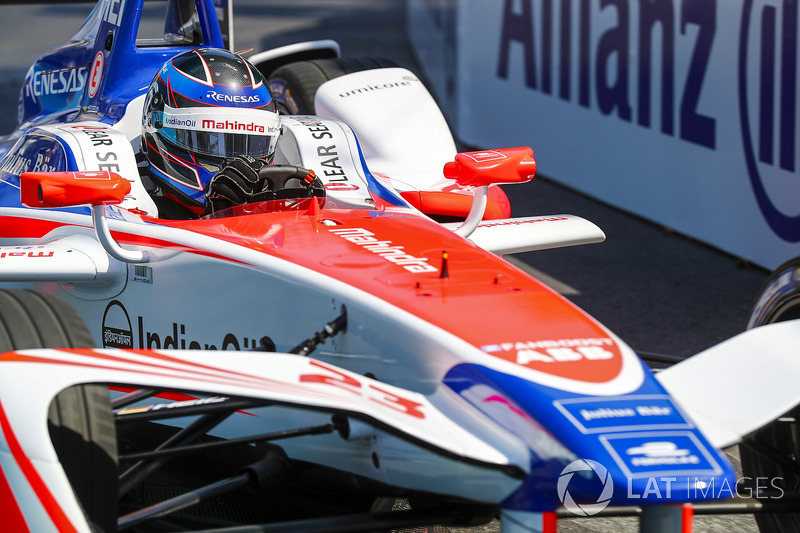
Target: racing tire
[[295, 85], [778, 300], [80, 421]]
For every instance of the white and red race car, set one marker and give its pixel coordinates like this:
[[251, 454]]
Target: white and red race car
[[305, 364]]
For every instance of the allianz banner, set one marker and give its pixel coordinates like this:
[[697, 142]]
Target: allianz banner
[[682, 111]]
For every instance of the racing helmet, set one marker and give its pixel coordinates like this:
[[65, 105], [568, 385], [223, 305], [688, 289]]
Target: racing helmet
[[204, 107]]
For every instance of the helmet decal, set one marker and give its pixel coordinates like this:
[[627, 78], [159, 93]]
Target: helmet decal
[[195, 184], [187, 175], [170, 94], [252, 77], [206, 71]]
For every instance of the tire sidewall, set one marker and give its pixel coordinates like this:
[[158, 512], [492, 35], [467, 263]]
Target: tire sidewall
[[294, 85], [80, 421], [779, 296], [283, 96], [777, 300]]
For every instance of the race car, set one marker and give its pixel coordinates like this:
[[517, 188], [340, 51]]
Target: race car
[[355, 361]]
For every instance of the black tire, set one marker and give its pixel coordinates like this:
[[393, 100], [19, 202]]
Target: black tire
[[79, 419], [778, 300], [84, 437], [295, 85], [31, 319]]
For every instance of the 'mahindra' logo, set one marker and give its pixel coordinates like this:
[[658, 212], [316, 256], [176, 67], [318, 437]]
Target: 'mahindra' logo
[[385, 249], [232, 125]]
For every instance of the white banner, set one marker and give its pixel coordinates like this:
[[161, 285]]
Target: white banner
[[682, 111], [222, 120]]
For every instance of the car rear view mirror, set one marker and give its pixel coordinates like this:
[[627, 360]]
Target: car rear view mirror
[[69, 189], [487, 167]]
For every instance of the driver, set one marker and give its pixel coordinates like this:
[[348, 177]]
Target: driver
[[209, 132]]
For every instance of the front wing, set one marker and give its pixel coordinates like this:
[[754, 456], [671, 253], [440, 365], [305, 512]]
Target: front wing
[[414, 438]]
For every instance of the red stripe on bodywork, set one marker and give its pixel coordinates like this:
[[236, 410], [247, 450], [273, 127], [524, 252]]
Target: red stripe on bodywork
[[149, 242], [149, 369], [33, 228], [219, 377], [199, 371], [27, 228], [46, 498], [13, 521]]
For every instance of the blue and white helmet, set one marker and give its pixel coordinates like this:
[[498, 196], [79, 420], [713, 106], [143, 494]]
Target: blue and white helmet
[[204, 107]]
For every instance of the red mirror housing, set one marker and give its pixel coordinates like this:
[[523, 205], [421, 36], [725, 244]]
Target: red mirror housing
[[68, 189], [485, 167]]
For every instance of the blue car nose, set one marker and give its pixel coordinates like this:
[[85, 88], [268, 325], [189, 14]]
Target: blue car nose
[[588, 452]]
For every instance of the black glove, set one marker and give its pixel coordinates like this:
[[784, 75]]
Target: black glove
[[246, 179], [237, 183]]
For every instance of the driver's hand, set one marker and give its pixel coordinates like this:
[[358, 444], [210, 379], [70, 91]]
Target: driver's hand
[[238, 183]]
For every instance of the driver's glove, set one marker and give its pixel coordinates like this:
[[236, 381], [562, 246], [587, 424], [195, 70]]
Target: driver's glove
[[237, 183]]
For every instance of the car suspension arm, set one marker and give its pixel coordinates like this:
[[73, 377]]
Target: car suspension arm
[[328, 330], [272, 468], [141, 470], [205, 446]]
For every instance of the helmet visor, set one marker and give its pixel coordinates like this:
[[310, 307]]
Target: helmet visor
[[221, 132]]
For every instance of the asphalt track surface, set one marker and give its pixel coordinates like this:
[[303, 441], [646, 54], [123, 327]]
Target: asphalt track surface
[[659, 291]]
